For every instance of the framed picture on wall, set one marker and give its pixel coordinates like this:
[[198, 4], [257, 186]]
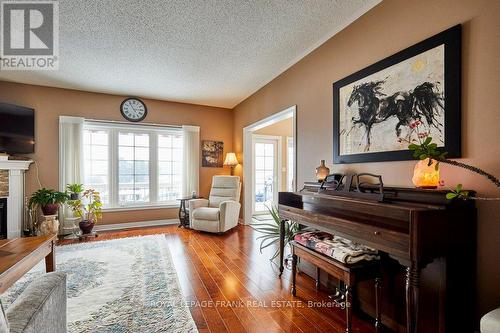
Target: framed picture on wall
[[404, 98], [212, 153]]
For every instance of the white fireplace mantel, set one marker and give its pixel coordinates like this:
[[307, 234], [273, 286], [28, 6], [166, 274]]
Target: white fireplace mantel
[[15, 200], [14, 165]]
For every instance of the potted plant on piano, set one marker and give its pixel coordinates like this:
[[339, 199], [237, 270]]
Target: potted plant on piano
[[89, 208], [426, 150]]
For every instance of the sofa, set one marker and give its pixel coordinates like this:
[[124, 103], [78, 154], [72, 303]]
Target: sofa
[[41, 307]]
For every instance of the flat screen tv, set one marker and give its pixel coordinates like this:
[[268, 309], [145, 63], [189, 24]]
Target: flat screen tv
[[17, 129]]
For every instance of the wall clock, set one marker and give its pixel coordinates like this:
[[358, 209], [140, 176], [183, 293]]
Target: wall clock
[[133, 109]]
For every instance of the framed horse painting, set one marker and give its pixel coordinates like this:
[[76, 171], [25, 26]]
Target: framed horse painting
[[405, 98]]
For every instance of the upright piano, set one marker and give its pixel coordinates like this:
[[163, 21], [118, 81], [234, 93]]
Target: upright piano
[[413, 228]]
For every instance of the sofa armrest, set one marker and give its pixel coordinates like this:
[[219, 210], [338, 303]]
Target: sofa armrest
[[194, 204], [41, 307], [229, 214], [197, 203]]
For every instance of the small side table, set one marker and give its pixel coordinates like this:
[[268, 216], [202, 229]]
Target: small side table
[[184, 212]]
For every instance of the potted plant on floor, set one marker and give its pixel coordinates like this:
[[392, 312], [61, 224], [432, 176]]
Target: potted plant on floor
[[271, 231], [48, 200], [89, 208], [74, 191]]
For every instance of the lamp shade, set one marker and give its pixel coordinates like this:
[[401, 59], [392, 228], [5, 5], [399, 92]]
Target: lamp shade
[[231, 159]]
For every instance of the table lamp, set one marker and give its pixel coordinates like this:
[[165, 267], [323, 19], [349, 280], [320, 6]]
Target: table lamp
[[231, 161]]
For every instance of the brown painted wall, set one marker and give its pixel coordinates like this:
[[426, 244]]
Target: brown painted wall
[[50, 103], [390, 27]]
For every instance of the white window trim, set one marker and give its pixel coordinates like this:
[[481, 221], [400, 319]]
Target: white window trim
[[113, 129], [140, 207]]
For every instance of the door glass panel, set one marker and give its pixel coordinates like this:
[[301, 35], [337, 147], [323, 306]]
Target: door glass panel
[[264, 175], [290, 159]]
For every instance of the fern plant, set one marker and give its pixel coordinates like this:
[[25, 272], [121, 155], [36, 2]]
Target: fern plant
[[271, 231], [43, 197]]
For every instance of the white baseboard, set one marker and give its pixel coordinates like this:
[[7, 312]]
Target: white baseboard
[[131, 225]]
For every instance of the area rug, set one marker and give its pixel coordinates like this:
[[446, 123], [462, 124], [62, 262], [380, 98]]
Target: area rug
[[122, 285]]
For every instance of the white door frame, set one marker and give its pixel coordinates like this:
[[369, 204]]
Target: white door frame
[[248, 154], [278, 159], [294, 181]]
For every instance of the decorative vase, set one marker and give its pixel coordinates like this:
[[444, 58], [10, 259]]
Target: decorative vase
[[50, 209], [86, 226], [425, 176], [322, 172], [49, 226]]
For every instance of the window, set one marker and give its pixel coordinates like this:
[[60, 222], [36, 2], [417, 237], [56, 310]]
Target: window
[[169, 166], [96, 161], [133, 165]]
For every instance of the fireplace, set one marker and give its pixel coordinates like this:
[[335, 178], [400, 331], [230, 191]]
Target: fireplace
[[3, 218], [12, 192]]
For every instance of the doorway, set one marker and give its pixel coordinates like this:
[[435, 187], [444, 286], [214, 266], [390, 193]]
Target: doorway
[[269, 152], [266, 176]]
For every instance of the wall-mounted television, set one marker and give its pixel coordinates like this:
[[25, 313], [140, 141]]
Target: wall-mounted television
[[17, 129]]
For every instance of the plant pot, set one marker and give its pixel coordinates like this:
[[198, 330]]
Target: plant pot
[[86, 226], [50, 209], [74, 196]]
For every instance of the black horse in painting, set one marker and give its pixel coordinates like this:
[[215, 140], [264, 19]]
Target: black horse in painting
[[425, 101]]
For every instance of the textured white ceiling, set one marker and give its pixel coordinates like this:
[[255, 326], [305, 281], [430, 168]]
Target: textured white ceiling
[[196, 51]]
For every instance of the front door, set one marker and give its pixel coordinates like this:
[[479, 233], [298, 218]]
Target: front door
[[265, 172]]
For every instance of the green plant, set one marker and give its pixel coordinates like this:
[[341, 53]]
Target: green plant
[[428, 149], [458, 192], [425, 148], [89, 207], [75, 188], [44, 197], [271, 231]]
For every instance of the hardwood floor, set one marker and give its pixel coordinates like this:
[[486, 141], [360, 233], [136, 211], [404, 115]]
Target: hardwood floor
[[216, 271]]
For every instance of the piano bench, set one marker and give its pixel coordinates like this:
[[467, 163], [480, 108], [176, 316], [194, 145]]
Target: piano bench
[[349, 274]]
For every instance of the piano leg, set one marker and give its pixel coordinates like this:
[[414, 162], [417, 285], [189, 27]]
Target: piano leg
[[412, 286], [318, 274], [348, 308], [294, 274], [282, 245], [377, 304]]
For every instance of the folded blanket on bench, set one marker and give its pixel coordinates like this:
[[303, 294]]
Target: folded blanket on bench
[[338, 248]]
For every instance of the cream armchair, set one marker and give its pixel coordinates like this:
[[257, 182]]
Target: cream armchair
[[221, 211]]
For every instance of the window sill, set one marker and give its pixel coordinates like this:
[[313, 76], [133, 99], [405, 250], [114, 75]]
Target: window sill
[[146, 207]]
